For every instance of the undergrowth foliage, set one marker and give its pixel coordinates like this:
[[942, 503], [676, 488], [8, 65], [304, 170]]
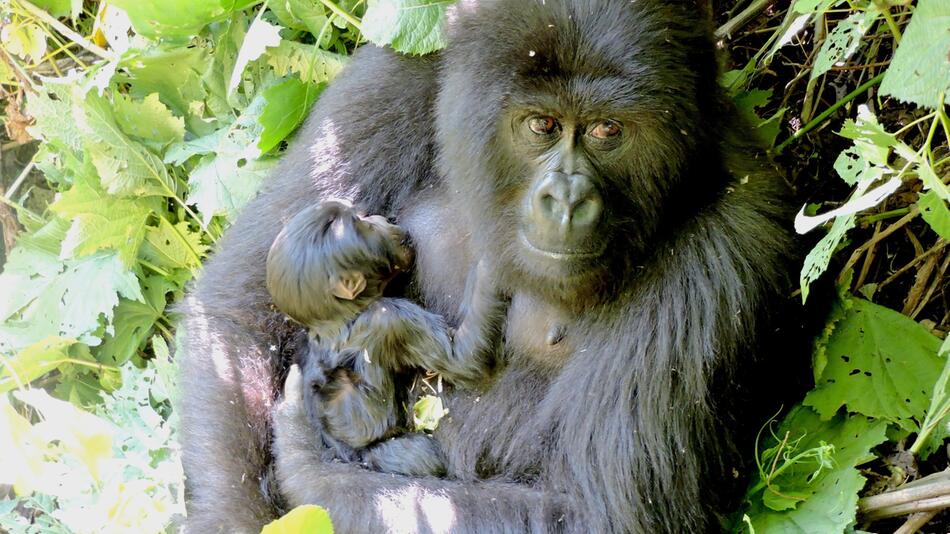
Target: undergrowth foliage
[[160, 119]]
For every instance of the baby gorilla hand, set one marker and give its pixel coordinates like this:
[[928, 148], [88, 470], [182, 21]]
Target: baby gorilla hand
[[409, 454]]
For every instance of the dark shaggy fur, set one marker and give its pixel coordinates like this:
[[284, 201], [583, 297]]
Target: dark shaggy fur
[[327, 269], [632, 421]]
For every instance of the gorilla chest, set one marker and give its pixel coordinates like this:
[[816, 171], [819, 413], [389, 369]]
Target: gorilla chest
[[538, 332]]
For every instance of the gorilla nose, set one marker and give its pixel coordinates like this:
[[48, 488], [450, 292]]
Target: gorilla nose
[[567, 204]]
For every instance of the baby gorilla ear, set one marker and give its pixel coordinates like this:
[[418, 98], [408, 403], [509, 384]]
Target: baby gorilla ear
[[347, 285]]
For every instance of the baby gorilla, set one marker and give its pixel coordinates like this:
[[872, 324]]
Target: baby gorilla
[[327, 270]]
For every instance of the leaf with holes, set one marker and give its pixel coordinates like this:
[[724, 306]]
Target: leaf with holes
[[843, 41], [312, 64], [824, 500], [880, 363]]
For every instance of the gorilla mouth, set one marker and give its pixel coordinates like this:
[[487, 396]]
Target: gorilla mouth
[[562, 255]]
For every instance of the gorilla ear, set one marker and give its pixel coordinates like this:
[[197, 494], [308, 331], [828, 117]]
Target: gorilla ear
[[347, 286]]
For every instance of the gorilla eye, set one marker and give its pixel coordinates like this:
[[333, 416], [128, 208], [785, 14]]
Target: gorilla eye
[[605, 129], [542, 125]]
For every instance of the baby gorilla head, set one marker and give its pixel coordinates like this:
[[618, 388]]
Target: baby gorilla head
[[330, 262]]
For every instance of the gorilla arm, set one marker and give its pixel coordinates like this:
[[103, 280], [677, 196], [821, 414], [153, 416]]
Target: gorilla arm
[[360, 500], [368, 140]]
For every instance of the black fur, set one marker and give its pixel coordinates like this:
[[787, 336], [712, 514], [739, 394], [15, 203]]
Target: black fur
[[632, 418], [327, 269]]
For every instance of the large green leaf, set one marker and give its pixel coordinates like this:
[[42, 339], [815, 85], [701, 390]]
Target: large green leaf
[[408, 26], [920, 69], [42, 296], [177, 19], [230, 171], [820, 500], [102, 221], [880, 363]]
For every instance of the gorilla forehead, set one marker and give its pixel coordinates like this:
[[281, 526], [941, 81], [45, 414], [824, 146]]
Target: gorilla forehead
[[587, 58], [587, 39]]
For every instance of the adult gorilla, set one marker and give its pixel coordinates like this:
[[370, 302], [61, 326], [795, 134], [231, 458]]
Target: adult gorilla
[[583, 147]]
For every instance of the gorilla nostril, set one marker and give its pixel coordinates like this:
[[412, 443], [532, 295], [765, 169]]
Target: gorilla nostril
[[551, 206], [586, 212]]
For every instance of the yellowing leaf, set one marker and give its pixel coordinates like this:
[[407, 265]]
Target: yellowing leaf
[[427, 412], [24, 39], [22, 461], [309, 519], [79, 433], [33, 362]]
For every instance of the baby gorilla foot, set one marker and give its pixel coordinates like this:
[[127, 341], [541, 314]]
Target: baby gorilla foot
[[409, 454]]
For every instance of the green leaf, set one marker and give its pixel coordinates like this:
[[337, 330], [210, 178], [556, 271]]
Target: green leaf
[[934, 210], [843, 41], [826, 502], [231, 171], [60, 8], [880, 363], [149, 120], [172, 247], [308, 518], [42, 296], [920, 68], [49, 106], [871, 140], [311, 63], [125, 167], [177, 19], [287, 105], [816, 262], [427, 412], [134, 320], [34, 361], [101, 221], [313, 16], [260, 36], [408, 26], [173, 72]]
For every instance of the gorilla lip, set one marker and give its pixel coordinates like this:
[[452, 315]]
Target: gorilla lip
[[560, 256]]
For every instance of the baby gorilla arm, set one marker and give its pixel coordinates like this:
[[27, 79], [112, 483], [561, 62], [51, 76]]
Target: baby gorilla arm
[[400, 334]]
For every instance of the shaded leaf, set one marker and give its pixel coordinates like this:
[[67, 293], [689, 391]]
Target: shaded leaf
[[880, 363]]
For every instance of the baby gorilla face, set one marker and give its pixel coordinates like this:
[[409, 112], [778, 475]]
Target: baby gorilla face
[[330, 261]]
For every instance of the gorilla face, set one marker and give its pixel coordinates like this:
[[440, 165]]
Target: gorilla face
[[576, 126]]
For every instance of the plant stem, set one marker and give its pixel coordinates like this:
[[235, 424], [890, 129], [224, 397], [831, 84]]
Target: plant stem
[[337, 10], [741, 19], [828, 112], [871, 219], [66, 30], [886, 11]]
